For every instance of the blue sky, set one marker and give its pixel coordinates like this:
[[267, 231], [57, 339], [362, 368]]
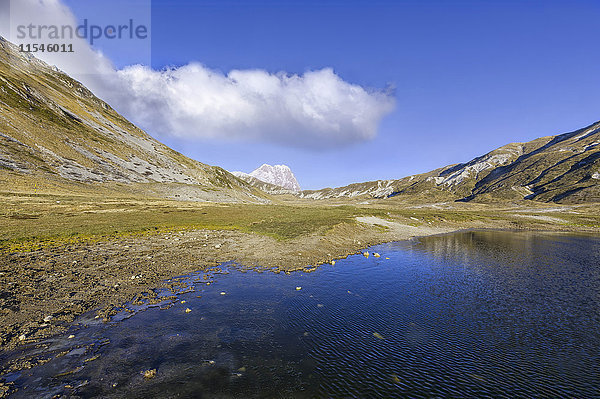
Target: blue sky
[[468, 76]]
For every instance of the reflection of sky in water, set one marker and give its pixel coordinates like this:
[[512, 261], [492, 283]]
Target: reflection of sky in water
[[468, 314]]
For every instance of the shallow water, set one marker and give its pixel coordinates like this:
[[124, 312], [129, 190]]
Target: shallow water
[[475, 314]]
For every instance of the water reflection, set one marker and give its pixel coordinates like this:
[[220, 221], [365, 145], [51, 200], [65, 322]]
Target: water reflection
[[500, 314]]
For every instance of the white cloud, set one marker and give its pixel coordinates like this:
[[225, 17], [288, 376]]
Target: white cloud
[[317, 109], [314, 109]]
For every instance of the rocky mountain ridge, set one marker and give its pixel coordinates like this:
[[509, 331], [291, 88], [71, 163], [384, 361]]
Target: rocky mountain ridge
[[561, 168]]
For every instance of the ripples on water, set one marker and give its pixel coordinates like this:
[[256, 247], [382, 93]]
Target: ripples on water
[[476, 314]]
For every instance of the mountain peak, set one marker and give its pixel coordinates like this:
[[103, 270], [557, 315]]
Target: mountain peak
[[280, 175], [267, 167]]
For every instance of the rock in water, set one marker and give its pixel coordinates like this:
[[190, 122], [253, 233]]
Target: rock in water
[[149, 374]]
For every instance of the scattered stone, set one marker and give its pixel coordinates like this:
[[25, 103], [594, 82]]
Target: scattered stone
[[377, 335], [218, 246], [188, 310], [298, 288], [223, 293], [71, 336], [48, 318], [149, 374], [332, 263], [182, 302], [366, 254], [22, 337], [375, 254]]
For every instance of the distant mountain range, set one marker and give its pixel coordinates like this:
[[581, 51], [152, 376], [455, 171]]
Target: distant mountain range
[[55, 135], [277, 175], [562, 168]]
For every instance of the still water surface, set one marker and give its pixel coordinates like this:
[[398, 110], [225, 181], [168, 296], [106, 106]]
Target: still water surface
[[471, 314]]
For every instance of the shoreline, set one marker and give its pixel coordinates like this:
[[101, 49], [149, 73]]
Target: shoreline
[[44, 290], [49, 288]]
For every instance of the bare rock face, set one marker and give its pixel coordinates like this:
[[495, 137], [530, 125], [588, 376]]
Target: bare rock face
[[278, 175]]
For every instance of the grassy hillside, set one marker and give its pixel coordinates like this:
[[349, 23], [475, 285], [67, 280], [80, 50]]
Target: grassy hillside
[[56, 135], [563, 168]]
